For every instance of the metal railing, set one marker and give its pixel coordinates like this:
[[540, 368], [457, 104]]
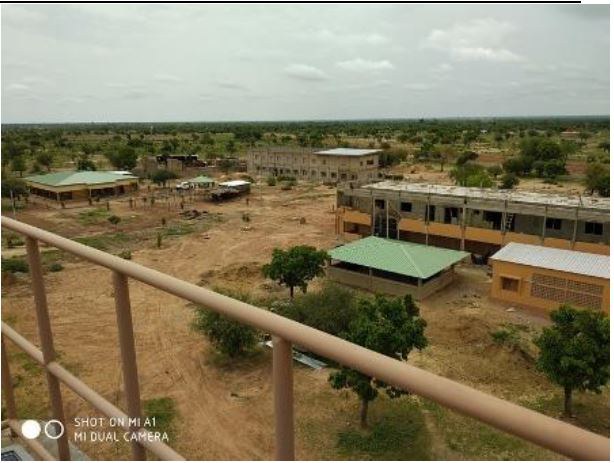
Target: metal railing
[[529, 425]]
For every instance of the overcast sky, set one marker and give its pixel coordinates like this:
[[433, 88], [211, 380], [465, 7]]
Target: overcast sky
[[68, 63]]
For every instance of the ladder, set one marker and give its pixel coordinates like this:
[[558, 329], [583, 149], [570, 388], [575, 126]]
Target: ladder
[[509, 218]]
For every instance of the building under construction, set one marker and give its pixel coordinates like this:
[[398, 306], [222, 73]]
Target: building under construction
[[477, 220]]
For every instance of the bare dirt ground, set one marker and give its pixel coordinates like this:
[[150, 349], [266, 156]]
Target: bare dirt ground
[[224, 410]]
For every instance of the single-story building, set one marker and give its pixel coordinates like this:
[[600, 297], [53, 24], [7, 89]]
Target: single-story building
[[81, 185], [543, 278], [393, 267], [242, 186], [202, 181]]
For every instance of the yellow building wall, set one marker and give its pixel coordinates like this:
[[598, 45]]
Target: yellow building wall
[[523, 296]]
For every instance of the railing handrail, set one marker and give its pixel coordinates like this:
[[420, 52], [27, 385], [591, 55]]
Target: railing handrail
[[529, 425]]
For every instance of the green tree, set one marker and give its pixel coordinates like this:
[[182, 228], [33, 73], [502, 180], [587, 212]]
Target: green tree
[[508, 181], [228, 336], [471, 175], [390, 326], [161, 177], [495, 170], [575, 351], [85, 163], [124, 157], [598, 179], [15, 186], [296, 266], [45, 158], [18, 164]]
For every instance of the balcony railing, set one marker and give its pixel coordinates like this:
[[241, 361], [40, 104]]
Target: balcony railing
[[534, 427]]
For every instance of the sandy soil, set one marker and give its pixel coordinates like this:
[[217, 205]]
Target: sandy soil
[[225, 411]]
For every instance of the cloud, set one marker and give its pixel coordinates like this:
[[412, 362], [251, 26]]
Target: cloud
[[476, 40], [136, 94], [231, 85], [18, 87], [332, 37], [305, 72], [362, 65], [167, 78], [418, 87]]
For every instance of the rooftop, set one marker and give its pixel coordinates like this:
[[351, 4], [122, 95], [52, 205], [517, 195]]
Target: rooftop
[[589, 202], [347, 152], [232, 183], [401, 257], [564, 260], [85, 177], [201, 179]]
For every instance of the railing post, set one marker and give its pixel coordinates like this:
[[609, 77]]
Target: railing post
[[46, 340], [284, 399], [7, 385], [128, 353]]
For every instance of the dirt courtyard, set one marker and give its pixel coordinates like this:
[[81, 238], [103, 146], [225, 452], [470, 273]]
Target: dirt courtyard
[[225, 410]]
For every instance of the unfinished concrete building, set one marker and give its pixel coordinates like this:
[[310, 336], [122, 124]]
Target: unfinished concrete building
[[327, 166], [476, 220]]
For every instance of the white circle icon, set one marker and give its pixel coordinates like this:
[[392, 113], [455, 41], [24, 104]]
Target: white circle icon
[[53, 432], [30, 429]]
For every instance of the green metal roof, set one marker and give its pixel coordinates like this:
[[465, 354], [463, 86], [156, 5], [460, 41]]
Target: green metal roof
[[85, 177], [414, 260], [201, 179]]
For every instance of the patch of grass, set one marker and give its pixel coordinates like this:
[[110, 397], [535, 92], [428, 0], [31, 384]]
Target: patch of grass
[[179, 229], [476, 441], [163, 411], [55, 267], [105, 241], [398, 433], [15, 265], [93, 216]]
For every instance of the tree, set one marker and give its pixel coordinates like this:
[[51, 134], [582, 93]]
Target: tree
[[296, 266], [228, 336], [598, 178], [465, 157], [390, 326], [13, 186], [85, 163], [123, 158], [508, 181], [44, 158], [161, 177], [605, 146], [471, 175], [18, 164], [575, 351], [495, 170]]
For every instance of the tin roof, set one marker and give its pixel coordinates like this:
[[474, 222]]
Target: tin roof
[[201, 179], [347, 152], [232, 183], [401, 257], [564, 260], [589, 202], [86, 177]]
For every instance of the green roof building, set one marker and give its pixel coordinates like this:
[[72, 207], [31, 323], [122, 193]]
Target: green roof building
[[202, 181], [394, 267], [81, 185]]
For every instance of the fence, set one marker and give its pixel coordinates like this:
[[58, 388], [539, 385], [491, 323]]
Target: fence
[[534, 427]]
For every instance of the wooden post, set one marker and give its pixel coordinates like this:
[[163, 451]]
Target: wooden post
[[7, 386]]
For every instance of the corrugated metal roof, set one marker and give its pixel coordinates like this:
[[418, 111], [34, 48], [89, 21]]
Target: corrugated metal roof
[[201, 179], [347, 152], [68, 178], [564, 260], [414, 260], [232, 183]]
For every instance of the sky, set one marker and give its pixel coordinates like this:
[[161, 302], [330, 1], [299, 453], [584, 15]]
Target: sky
[[233, 62]]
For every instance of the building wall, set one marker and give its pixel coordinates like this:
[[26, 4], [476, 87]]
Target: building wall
[[391, 287], [444, 217], [306, 165], [535, 282]]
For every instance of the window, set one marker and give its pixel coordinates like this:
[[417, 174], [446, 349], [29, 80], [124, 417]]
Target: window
[[406, 207], [450, 215], [370, 162], [360, 163], [333, 175], [510, 284], [553, 224], [380, 203], [593, 228], [323, 174], [429, 213]]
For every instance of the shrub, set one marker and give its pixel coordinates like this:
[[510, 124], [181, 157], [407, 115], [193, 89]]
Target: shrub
[[56, 267], [286, 186], [271, 181], [126, 254], [14, 265], [508, 181], [229, 337], [114, 219]]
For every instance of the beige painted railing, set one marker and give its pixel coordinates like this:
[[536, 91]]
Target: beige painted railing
[[542, 430]]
